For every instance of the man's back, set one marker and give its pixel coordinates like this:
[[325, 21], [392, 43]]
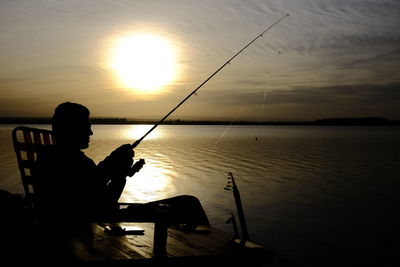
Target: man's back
[[66, 184]]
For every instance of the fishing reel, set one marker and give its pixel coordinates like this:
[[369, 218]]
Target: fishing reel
[[136, 167]]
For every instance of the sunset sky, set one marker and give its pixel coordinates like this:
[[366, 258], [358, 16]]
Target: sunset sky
[[329, 58]]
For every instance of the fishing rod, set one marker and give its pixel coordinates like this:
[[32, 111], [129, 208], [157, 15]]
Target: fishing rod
[[137, 142]]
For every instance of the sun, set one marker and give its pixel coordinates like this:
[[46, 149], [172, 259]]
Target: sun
[[143, 61]]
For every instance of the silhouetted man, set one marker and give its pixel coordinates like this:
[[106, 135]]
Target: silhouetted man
[[72, 189]]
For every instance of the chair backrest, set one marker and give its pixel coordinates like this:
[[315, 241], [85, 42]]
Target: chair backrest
[[27, 143]]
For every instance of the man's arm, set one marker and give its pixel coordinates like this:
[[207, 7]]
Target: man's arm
[[113, 171]]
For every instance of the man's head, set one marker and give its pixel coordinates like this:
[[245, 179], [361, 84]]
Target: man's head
[[71, 125]]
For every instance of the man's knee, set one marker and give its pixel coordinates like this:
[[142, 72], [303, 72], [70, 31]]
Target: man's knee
[[187, 201]]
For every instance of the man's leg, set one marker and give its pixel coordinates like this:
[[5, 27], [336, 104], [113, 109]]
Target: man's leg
[[182, 210]]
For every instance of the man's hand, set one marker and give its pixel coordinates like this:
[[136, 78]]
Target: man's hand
[[120, 161], [136, 167]]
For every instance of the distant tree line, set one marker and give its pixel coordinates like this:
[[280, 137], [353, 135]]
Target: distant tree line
[[362, 121], [376, 121]]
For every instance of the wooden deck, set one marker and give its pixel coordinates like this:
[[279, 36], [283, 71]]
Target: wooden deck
[[98, 247]]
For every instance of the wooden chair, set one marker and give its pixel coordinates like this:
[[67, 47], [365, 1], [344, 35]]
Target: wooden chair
[[27, 143]]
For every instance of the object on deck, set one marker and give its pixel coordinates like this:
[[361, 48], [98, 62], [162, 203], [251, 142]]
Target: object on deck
[[128, 230]]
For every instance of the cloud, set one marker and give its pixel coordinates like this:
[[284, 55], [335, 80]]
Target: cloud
[[333, 53], [343, 100], [348, 94]]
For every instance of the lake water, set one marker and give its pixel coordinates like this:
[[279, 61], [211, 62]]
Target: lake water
[[318, 196]]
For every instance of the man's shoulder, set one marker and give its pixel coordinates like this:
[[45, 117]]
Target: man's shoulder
[[54, 153]]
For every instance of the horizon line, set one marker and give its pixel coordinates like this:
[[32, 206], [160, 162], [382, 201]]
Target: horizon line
[[115, 120]]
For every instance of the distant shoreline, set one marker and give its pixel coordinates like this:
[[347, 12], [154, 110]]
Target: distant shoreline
[[364, 121]]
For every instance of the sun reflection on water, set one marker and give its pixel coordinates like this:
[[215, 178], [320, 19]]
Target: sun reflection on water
[[152, 182], [135, 132]]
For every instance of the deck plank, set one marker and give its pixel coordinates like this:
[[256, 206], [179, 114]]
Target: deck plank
[[95, 242], [182, 248]]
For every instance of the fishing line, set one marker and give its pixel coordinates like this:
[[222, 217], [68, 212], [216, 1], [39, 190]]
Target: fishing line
[[232, 121], [265, 95], [137, 142]]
